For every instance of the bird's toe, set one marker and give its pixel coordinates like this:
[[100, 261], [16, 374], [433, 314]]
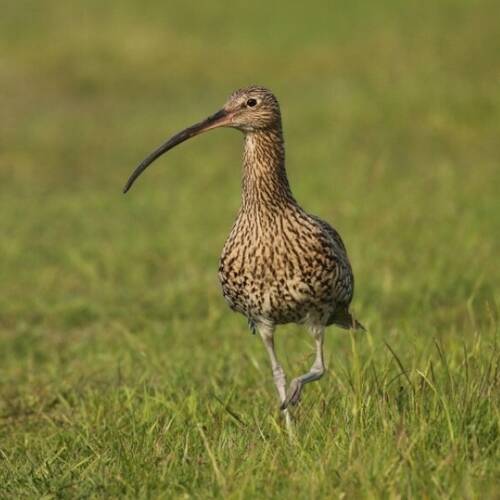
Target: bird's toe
[[293, 396]]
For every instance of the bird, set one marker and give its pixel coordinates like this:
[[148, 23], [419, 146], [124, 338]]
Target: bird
[[279, 264]]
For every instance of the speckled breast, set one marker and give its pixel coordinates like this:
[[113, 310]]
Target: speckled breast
[[282, 274]]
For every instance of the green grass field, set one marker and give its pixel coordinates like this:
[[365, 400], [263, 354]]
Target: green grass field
[[122, 371]]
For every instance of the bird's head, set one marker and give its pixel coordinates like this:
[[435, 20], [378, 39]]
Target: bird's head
[[252, 109]]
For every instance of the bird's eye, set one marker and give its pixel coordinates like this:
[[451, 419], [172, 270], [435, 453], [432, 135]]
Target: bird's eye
[[251, 102]]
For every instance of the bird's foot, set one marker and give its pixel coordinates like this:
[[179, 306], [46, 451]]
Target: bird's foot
[[293, 395]]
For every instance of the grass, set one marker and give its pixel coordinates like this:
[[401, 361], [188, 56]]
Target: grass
[[123, 373]]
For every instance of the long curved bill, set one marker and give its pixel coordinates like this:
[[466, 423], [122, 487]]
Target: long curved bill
[[218, 119]]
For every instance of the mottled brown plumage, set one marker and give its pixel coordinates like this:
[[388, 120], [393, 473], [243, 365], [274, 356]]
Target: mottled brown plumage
[[279, 264]]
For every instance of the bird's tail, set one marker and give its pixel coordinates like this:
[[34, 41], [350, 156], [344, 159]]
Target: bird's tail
[[344, 319]]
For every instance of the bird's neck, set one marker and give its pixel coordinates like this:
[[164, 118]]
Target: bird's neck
[[265, 183]]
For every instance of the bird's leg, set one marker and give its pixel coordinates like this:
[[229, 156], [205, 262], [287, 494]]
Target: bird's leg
[[267, 334], [315, 373]]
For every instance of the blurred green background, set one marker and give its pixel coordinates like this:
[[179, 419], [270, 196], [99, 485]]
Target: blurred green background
[[392, 122]]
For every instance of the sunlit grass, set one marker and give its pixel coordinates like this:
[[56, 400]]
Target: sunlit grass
[[123, 372]]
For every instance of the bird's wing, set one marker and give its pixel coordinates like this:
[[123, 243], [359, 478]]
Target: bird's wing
[[334, 235], [343, 286]]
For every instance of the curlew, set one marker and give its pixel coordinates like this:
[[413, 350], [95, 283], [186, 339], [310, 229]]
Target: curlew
[[279, 264]]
